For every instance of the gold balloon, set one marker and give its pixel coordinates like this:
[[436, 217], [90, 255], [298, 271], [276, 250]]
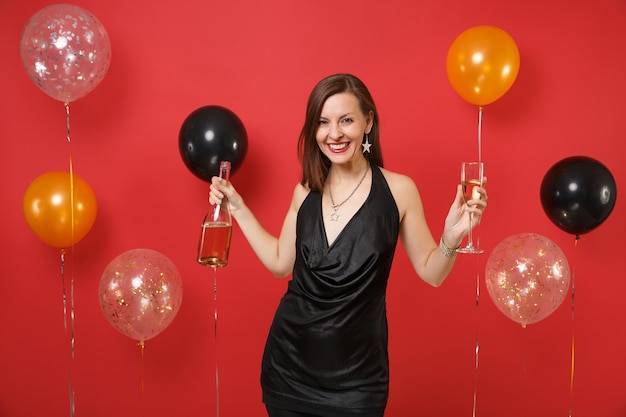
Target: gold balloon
[[482, 64], [47, 206]]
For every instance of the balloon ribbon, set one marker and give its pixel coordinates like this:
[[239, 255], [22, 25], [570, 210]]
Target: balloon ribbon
[[142, 345], [69, 334], [217, 392], [524, 366], [571, 379], [71, 310], [480, 128], [477, 344]]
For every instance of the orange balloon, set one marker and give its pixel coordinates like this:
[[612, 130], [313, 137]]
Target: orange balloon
[[482, 64], [48, 210]]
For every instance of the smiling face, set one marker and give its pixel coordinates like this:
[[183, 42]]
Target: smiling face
[[328, 97], [341, 127]]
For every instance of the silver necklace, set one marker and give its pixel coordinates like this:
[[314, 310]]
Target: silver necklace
[[334, 216]]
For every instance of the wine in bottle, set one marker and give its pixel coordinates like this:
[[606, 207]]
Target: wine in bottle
[[216, 232]]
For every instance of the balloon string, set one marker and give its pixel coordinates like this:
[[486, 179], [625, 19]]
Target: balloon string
[[67, 120], [142, 346], [480, 159], [71, 333], [477, 343], [72, 337], [71, 167], [524, 358], [72, 317], [217, 392], [571, 380], [480, 129]]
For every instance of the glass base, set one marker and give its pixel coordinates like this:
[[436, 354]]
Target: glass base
[[470, 249]]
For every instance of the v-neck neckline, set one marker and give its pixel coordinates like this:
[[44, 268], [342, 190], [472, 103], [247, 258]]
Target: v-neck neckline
[[329, 244]]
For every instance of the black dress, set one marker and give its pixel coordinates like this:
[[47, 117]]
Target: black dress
[[327, 346]]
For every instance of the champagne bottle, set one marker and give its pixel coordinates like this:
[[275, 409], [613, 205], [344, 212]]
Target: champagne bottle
[[217, 225]]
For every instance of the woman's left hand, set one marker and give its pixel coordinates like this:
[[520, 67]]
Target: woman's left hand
[[457, 222]]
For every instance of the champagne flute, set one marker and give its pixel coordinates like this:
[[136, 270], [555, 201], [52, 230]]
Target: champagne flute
[[471, 177]]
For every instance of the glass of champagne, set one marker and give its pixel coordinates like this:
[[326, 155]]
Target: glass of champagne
[[471, 178]]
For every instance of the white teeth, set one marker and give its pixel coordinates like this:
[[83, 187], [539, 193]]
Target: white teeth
[[337, 146]]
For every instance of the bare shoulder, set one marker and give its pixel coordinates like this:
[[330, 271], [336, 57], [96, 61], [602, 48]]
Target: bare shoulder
[[403, 189], [399, 183], [299, 194]]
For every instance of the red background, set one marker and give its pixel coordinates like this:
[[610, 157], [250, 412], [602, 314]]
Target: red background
[[261, 59]]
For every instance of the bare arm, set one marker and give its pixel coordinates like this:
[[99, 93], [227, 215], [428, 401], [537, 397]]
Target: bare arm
[[277, 254], [423, 250]]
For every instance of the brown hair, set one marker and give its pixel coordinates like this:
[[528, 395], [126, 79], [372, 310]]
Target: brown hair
[[315, 165]]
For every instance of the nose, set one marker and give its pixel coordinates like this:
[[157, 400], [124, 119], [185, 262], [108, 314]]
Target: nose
[[335, 132]]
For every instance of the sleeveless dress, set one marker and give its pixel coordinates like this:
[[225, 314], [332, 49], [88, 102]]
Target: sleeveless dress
[[327, 346]]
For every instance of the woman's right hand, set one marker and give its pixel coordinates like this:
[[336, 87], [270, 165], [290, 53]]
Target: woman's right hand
[[220, 189]]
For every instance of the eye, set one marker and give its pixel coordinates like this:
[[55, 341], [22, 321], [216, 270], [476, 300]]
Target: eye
[[322, 122], [347, 120]]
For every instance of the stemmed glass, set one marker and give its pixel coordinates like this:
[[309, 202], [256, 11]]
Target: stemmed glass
[[471, 177]]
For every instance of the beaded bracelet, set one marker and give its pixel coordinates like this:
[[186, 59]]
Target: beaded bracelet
[[447, 252]]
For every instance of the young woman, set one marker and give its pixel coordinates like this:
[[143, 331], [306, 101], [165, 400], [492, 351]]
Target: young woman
[[326, 353]]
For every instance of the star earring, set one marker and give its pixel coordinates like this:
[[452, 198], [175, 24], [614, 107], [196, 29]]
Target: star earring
[[366, 145]]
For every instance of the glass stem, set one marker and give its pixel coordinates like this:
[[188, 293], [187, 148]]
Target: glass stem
[[470, 242]]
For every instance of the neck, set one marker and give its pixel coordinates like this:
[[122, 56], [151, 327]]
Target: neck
[[340, 173]]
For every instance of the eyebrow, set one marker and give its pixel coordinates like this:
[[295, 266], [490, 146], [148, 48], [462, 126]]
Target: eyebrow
[[341, 116]]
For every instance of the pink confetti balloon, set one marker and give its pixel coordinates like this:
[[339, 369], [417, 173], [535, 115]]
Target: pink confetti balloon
[[527, 277], [140, 293], [65, 51]]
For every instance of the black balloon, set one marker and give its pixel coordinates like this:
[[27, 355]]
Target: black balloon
[[209, 135], [578, 194]]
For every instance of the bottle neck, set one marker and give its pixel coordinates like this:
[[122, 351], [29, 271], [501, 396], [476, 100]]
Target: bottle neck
[[221, 211], [225, 170]]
